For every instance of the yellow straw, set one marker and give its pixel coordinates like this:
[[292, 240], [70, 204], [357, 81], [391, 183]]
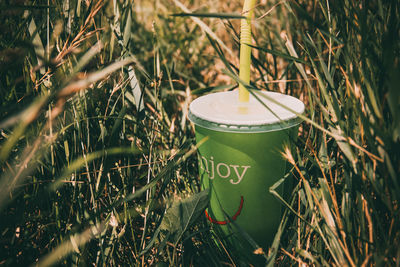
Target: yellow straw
[[245, 50]]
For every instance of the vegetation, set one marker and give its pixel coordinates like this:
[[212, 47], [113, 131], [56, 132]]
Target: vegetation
[[98, 160]]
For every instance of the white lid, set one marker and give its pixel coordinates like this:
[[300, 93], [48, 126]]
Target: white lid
[[224, 108]]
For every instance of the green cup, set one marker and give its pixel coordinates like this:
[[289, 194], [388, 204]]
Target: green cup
[[241, 159]]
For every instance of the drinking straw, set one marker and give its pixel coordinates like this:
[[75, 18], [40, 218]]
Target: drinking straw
[[245, 49]]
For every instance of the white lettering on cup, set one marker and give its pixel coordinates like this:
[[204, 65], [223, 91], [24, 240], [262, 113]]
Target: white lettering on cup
[[211, 175], [201, 165], [228, 170], [204, 164], [239, 176], [223, 170]]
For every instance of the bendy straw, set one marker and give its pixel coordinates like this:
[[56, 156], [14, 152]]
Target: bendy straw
[[245, 49]]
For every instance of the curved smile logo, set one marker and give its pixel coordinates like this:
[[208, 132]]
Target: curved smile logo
[[234, 217]]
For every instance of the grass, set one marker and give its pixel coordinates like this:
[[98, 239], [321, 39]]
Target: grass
[[98, 158]]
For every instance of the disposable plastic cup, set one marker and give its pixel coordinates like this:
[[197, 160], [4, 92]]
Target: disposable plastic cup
[[241, 159]]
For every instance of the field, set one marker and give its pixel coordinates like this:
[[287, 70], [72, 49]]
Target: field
[[98, 157]]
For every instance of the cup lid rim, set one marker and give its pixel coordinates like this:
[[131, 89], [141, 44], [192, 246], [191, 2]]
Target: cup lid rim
[[201, 112], [221, 127]]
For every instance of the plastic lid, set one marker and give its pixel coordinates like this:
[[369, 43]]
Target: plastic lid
[[223, 112]]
